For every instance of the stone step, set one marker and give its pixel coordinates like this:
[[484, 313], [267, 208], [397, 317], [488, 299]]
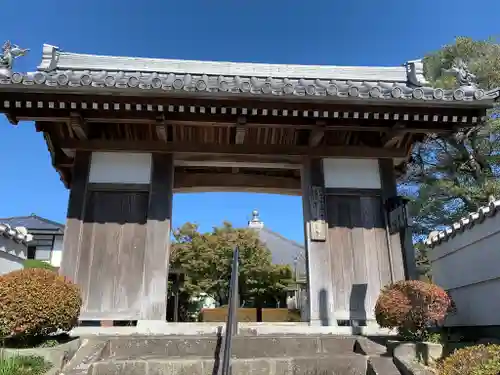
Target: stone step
[[382, 366], [353, 364], [242, 346]]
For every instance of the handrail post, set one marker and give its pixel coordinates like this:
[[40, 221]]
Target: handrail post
[[232, 318]]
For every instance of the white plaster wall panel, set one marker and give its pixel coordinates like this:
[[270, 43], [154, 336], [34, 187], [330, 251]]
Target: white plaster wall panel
[[120, 168], [57, 252], [477, 305], [352, 173], [469, 265]]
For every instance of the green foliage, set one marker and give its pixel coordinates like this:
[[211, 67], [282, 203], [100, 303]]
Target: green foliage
[[452, 175], [474, 360], [294, 316], [34, 263], [23, 365], [37, 302], [412, 307], [206, 260], [491, 367]]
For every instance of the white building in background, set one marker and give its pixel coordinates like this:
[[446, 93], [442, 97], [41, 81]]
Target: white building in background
[[47, 242], [286, 252]]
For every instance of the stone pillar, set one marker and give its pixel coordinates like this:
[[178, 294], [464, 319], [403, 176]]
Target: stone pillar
[[116, 243], [318, 260]]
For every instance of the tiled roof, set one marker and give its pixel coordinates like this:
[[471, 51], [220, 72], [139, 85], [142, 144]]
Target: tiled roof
[[77, 72], [18, 234], [283, 250], [465, 223], [33, 223]]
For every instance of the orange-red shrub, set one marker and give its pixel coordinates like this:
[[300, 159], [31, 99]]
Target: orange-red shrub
[[412, 306], [37, 301]]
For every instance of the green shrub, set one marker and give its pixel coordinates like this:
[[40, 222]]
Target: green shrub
[[294, 316], [474, 360], [37, 301], [34, 263], [412, 306]]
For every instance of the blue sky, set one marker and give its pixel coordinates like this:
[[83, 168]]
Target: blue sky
[[349, 32]]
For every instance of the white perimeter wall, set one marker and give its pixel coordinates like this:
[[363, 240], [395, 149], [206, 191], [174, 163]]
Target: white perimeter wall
[[468, 266], [12, 255]]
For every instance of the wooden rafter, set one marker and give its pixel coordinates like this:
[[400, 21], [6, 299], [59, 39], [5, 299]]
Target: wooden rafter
[[317, 135], [241, 130], [161, 128], [78, 125], [394, 136]]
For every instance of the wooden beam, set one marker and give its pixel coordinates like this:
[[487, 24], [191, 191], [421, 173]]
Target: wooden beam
[[315, 137], [161, 128], [296, 103], [11, 118], [286, 161], [77, 124], [394, 136], [161, 147], [62, 161], [205, 182], [241, 130], [227, 120], [237, 164]]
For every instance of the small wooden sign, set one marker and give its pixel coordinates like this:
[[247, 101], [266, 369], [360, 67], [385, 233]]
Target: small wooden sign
[[317, 224]]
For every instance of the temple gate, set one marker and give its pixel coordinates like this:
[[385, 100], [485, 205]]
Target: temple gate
[[126, 133]]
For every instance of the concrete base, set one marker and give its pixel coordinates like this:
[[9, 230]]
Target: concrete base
[[162, 328]]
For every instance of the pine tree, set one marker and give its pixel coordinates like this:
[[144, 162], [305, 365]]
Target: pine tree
[[449, 176]]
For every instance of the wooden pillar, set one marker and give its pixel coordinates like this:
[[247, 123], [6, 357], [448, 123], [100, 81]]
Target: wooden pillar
[[74, 221], [116, 243], [400, 241], [319, 278], [364, 257], [156, 261]]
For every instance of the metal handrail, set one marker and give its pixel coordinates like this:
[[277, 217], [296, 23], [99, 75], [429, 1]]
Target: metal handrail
[[232, 319]]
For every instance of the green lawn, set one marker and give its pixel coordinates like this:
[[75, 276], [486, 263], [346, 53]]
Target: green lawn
[[20, 365]]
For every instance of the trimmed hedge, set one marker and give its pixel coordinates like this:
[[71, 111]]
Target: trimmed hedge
[[412, 306], [34, 263], [37, 301], [474, 360]]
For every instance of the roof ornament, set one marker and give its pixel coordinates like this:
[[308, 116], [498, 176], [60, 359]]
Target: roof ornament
[[415, 73], [255, 222], [461, 71], [10, 52]]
